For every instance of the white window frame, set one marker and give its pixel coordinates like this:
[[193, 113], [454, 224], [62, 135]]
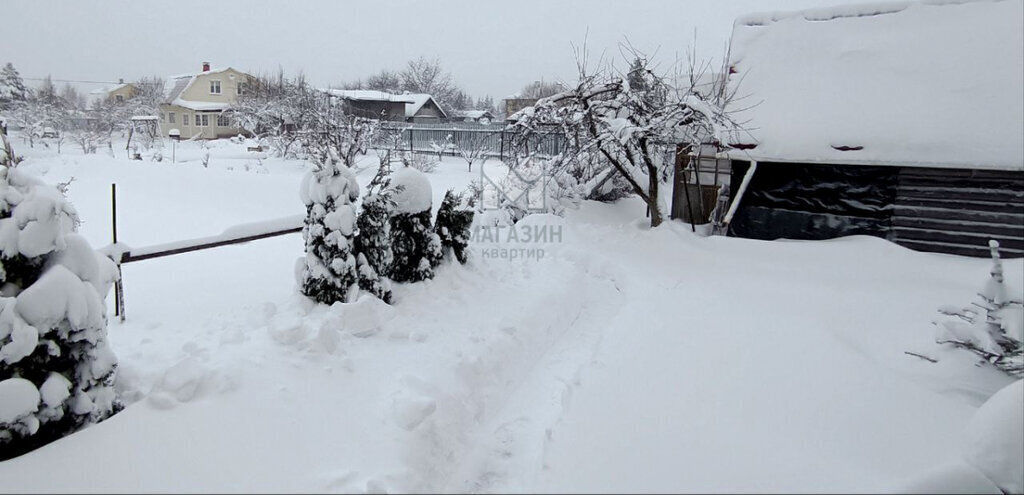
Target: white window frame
[[202, 120], [215, 84], [184, 119], [223, 121], [119, 98]]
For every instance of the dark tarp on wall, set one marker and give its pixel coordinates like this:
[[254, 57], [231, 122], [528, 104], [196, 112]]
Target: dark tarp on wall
[[805, 201]]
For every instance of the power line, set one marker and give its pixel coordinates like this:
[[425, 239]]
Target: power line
[[68, 80]]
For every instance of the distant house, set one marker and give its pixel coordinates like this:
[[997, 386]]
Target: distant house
[[477, 116], [371, 104], [422, 109], [119, 93], [196, 103], [899, 120], [514, 104]]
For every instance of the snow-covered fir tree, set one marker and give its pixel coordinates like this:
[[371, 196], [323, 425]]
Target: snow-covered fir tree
[[993, 328], [56, 367], [373, 235], [327, 274], [416, 248], [453, 226]]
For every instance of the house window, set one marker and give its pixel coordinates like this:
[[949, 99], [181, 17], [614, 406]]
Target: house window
[[170, 117], [119, 98], [202, 120], [214, 87], [222, 120], [184, 119], [240, 88]]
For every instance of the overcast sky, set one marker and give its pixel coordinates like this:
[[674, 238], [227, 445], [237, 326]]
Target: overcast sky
[[490, 47]]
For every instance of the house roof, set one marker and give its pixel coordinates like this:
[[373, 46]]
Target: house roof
[[174, 86], [108, 89], [416, 101], [367, 95], [934, 84]]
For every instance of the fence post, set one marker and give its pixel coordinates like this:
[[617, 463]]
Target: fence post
[[118, 285]]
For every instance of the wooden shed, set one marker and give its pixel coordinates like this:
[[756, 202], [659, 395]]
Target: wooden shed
[[901, 120]]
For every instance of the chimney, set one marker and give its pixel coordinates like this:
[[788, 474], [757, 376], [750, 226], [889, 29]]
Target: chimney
[[120, 80], [206, 66]]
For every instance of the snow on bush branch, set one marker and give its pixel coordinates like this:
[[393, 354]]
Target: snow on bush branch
[[992, 327]]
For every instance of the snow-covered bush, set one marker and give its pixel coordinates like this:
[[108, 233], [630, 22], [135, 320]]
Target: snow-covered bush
[[373, 236], [416, 248], [421, 162], [993, 327], [56, 367], [453, 225], [328, 271]]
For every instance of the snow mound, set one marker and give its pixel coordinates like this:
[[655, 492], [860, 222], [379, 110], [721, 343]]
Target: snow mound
[[18, 398], [996, 438], [183, 380], [411, 410], [415, 195], [364, 317]]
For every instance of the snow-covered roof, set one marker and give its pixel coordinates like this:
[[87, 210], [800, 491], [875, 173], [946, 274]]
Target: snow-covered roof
[[936, 84], [108, 89], [367, 95], [415, 102], [174, 86], [474, 114]]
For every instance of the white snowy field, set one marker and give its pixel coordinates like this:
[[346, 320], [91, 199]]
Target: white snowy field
[[625, 359]]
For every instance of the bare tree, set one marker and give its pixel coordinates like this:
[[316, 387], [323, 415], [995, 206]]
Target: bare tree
[[629, 123], [474, 146]]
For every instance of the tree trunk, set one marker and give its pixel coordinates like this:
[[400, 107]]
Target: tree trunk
[[652, 197]]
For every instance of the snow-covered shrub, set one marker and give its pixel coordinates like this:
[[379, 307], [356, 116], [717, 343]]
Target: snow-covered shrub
[[56, 367], [416, 248], [328, 271], [373, 237], [993, 328], [423, 163], [453, 225]]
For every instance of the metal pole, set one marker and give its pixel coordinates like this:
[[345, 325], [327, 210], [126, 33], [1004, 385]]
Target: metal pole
[[118, 285]]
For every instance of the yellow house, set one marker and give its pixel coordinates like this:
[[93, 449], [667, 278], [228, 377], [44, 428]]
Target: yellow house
[[120, 92], [196, 104]]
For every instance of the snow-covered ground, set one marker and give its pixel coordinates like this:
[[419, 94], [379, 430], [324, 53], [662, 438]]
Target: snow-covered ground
[[623, 359]]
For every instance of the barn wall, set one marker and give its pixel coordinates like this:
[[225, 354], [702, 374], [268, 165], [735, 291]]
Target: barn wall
[[802, 201], [939, 210]]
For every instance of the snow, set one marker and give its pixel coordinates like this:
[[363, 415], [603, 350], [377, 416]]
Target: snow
[[366, 94], [55, 390], [416, 195], [996, 438], [624, 359], [916, 84], [18, 398], [954, 477]]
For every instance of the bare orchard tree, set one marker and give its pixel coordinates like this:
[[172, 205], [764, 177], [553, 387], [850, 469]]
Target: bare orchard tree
[[629, 122], [277, 109], [474, 146], [332, 135]]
